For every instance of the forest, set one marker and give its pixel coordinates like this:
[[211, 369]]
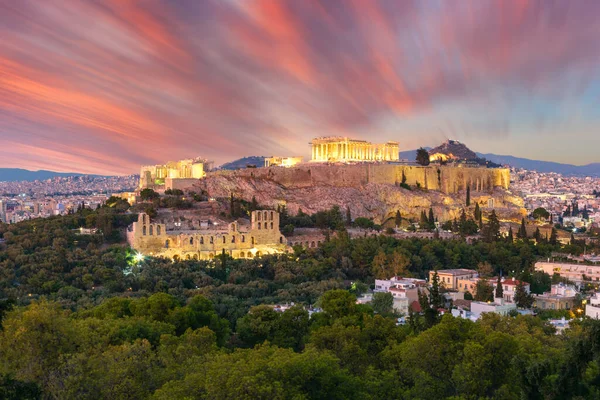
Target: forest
[[83, 318]]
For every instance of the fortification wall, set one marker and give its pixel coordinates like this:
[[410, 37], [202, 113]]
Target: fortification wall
[[446, 179]]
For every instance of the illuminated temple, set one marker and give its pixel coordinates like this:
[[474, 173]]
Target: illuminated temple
[[343, 149], [173, 174]]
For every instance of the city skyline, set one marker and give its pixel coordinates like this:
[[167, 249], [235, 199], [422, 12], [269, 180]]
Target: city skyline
[[106, 86]]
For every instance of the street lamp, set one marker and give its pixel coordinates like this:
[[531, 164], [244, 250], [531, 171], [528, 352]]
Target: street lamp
[[138, 257]]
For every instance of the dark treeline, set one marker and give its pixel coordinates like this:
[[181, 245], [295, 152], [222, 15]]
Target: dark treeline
[[84, 319]]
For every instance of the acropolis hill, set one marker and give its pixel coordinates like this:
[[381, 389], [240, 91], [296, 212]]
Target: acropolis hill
[[365, 177]]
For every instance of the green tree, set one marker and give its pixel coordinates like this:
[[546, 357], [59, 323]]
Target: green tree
[[522, 298], [553, 237], [483, 290], [338, 303], [540, 213], [260, 324], [34, 339], [292, 328], [491, 231], [510, 238], [383, 302], [253, 204], [431, 219], [148, 195], [422, 157], [398, 219], [499, 290], [522, 234], [348, 216], [435, 296]]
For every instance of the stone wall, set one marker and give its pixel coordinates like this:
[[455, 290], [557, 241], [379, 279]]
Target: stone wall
[[446, 179]]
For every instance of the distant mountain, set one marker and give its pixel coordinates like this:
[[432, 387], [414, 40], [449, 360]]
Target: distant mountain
[[544, 166], [258, 161], [525, 163], [18, 174], [454, 150]]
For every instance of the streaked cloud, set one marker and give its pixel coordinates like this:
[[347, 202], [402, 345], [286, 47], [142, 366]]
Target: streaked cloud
[[104, 86]]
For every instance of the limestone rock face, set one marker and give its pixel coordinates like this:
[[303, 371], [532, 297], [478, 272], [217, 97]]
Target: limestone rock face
[[378, 201]]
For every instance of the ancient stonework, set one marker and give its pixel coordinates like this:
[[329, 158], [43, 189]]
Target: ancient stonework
[[263, 237]]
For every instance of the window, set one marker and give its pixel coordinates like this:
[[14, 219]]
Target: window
[[167, 244], [259, 225], [265, 215], [144, 231], [191, 241], [201, 239], [212, 240], [281, 240], [272, 214], [158, 230], [259, 214], [224, 239], [243, 239], [151, 230], [242, 255], [233, 239], [271, 225]]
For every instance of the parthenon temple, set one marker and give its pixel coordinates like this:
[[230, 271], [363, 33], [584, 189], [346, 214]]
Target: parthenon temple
[[342, 149]]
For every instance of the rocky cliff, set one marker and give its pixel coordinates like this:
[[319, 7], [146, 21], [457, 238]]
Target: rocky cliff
[[379, 201]]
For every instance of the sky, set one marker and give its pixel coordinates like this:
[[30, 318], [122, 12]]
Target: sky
[[104, 86]]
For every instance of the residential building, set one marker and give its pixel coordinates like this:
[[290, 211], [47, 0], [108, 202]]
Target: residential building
[[592, 308], [405, 291], [449, 277], [574, 272], [499, 306], [560, 297]]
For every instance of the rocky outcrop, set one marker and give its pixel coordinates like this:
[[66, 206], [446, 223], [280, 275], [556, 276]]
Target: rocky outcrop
[[378, 201]]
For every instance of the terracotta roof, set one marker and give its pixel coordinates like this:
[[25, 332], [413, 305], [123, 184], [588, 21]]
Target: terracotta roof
[[415, 306], [513, 282]]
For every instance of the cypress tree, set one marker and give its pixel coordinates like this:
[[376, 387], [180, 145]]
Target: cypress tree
[[435, 298], [431, 219], [510, 238], [491, 231], [477, 213], [468, 202], [424, 222], [537, 235], [522, 234], [553, 237], [348, 216], [499, 290], [398, 219]]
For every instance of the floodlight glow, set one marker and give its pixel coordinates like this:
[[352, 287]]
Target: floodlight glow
[[139, 257]]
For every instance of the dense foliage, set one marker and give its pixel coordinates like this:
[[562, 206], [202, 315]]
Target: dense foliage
[[85, 319]]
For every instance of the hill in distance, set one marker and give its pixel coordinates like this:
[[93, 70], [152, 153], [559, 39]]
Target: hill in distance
[[242, 163], [454, 150], [461, 151], [18, 174]]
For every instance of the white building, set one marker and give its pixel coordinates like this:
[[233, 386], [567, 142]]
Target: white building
[[509, 288], [592, 308], [499, 306], [404, 291]]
